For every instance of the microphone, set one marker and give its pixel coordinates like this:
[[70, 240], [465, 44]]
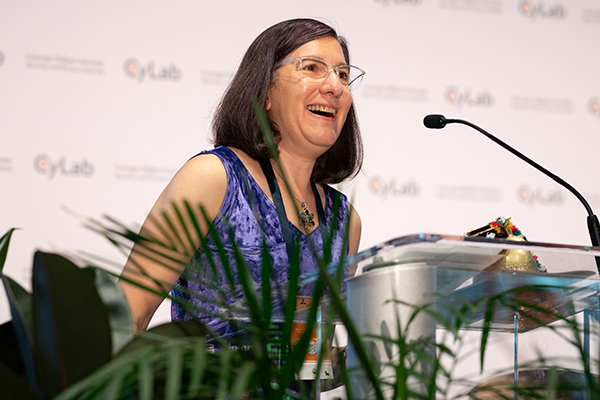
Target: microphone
[[437, 121]]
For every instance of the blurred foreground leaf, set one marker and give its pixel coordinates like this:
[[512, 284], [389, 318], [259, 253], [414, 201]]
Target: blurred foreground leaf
[[71, 331]]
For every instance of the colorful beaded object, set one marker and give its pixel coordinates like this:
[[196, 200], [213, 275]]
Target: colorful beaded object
[[306, 217], [502, 228]]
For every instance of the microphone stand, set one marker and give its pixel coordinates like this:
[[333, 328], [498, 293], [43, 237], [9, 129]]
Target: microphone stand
[[592, 219]]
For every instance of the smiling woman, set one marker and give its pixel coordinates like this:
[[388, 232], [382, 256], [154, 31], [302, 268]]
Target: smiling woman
[[309, 106], [308, 113]]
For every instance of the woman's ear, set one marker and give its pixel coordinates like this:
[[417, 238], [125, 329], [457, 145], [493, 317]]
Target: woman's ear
[[268, 105]]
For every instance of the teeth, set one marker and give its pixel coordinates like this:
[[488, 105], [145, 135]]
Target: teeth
[[321, 109]]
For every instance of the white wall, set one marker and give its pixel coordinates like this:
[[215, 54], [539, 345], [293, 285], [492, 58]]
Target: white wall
[[525, 70]]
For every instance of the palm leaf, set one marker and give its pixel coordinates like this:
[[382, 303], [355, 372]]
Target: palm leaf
[[20, 309], [153, 371], [4, 242], [71, 325], [119, 314], [13, 386]]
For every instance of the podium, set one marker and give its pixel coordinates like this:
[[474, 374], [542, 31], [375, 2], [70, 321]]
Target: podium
[[415, 290]]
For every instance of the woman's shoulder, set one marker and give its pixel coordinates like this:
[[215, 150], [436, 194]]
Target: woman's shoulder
[[206, 164], [224, 154], [231, 158], [222, 169], [218, 163], [201, 180]]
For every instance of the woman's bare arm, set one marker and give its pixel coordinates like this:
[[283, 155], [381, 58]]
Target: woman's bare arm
[[354, 235], [201, 182]]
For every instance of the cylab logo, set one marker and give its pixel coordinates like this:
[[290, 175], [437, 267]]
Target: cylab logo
[[391, 187], [539, 196], [46, 166], [399, 2], [136, 70], [594, 106], [479, 6], [468, 98], [542, 10]]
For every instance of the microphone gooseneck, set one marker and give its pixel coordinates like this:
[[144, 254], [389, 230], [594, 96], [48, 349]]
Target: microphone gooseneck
[[436, 121]]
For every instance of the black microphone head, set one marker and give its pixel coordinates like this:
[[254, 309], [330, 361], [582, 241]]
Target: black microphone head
[[434, 121]]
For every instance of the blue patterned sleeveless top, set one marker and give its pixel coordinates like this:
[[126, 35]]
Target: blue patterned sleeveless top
[[244, 205]]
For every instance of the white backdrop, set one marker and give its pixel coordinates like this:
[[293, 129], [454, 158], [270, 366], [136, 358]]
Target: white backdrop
[[101, 102]]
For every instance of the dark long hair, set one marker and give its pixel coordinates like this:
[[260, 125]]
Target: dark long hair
[[235, 123]]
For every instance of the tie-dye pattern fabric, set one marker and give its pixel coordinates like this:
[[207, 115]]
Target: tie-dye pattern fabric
[[244, 205]]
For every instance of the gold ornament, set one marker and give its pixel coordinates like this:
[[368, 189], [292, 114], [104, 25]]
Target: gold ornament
[[514, 260]]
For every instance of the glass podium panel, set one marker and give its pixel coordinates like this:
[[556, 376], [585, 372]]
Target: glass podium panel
[[482, 285]]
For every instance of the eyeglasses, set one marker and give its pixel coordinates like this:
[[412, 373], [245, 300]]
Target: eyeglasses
[[316, 70]]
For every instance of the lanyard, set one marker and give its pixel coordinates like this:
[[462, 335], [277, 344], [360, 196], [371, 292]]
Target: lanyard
[[278, 200]]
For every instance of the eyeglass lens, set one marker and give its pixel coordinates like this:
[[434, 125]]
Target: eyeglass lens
[[316, 70]]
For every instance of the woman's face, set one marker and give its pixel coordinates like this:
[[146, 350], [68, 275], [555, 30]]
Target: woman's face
[[309, 115]]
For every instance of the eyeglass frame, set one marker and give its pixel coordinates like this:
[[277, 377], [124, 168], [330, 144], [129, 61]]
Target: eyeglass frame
[[330, 67]]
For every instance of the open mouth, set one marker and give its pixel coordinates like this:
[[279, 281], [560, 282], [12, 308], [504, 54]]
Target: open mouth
[[322, 110]]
